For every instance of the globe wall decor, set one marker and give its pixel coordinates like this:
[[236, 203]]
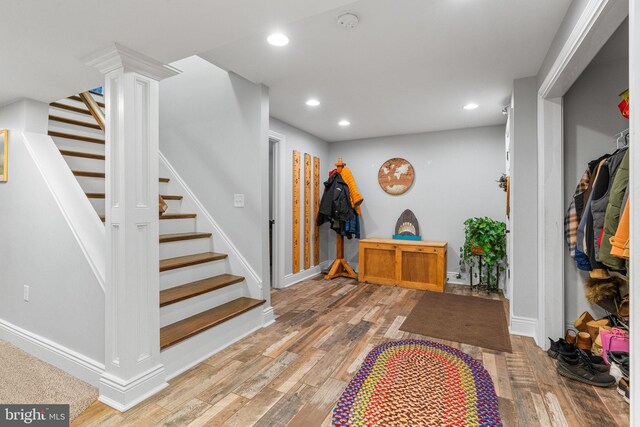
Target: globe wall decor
[[396, 176]]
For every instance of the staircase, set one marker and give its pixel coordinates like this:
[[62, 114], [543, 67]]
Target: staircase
[[197, 291]]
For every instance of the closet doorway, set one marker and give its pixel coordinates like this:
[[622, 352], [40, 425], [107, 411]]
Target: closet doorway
[[276, 209]]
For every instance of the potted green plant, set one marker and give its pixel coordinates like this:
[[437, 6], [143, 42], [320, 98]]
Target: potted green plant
[[487, 237]]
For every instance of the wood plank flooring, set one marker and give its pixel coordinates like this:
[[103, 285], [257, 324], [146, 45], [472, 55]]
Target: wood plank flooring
[[293, 372]]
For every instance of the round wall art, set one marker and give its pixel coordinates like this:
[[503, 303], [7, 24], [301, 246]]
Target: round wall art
[[395, 176]]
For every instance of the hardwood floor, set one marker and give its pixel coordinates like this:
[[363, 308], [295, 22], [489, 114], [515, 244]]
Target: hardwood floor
[[293, 372]]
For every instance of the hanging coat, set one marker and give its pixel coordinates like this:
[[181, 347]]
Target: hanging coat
[[355, 196], [612, 215], [600, 200], [335, 204]]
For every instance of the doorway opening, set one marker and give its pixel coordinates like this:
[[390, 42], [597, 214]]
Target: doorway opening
[[276, 209]]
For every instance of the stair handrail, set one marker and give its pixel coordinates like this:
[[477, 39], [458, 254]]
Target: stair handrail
[[93, 107]]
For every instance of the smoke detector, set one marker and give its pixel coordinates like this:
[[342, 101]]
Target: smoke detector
[[348, 21]]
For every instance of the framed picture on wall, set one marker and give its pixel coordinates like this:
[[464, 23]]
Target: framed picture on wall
[[4, 154]]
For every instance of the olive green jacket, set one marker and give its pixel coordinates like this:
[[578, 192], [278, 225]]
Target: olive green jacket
[[613, 213]]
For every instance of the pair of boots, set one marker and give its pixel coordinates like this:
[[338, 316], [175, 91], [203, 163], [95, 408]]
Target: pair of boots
[[580, 365]]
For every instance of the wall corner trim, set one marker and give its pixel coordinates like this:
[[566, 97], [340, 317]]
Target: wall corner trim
[[70, 361]]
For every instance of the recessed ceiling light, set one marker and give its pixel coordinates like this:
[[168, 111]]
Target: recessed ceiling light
[[344, 123], [312, 102], [470, 106], [278, 39]]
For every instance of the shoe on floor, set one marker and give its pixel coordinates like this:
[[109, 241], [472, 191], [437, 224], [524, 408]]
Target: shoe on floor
[[623, 389], [584, 371], [581, 356], [572, 352], [555, 347], [620, 359]]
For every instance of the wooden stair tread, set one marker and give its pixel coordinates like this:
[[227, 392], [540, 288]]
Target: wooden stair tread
[[102, 175], [190, 290], [170, 197], [189, 260], [74, 122], [81, 154], [177, 237], [77, 98], [165, 216], [102, 196], [70, 108], [177, 216], [180, 331], [76, 137]]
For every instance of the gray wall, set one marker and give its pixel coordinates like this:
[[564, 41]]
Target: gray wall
[[298, 140], [211, 131], [591, 118], [524, 192], [455, 178], [39, 249]]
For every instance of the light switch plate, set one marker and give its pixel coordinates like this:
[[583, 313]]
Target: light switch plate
[[26, 293], [238, 200]]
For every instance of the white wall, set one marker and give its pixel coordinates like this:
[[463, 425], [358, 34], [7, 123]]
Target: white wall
[[302, 142], [213, 131], [524, 193], [591, 118], [455, 178], [39, 249]]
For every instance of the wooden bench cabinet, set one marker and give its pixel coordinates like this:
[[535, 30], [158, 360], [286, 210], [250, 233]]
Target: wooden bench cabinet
[[406, 263]]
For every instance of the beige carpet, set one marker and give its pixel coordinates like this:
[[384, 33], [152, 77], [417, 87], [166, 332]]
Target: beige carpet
[[25, 379]]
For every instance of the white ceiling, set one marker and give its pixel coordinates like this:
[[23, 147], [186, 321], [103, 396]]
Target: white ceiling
[[42, 43], [409, 67]]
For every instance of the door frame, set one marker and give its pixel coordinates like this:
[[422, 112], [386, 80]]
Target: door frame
[[278, 201], [599, 20]]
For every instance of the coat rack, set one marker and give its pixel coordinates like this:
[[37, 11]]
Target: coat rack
[[340, 267]]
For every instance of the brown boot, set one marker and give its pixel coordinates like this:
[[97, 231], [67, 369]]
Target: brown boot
[[581, 322], [583, 341]]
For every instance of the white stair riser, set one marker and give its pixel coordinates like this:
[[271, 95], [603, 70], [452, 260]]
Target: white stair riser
[[79, 104], [84, 164], [182, 356], [57, 126], [182, 276], [91, 185], [163, 187], [173, 205], [60, 112], [98, 205], [81, 146], [168, 226], [192, 306], [185, 247]]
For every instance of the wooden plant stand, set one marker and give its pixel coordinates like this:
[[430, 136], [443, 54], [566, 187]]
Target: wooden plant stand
[[340, 267]]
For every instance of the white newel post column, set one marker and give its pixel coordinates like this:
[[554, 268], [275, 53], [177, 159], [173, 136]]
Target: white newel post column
[[133, 368]]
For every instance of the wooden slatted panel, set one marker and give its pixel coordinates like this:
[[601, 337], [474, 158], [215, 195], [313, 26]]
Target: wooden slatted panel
[[316, 208], [296, 212], [307, 211]]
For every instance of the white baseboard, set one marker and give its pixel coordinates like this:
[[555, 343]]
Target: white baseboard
[[122, 396], [293, 278], [525, 326], [451, 278], [268, 316], [70, 361]]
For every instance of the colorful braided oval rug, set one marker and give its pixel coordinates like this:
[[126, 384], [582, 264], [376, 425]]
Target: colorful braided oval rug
[[418, 383]]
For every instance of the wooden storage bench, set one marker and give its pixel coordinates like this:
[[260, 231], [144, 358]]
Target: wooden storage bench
[[406, 263]]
